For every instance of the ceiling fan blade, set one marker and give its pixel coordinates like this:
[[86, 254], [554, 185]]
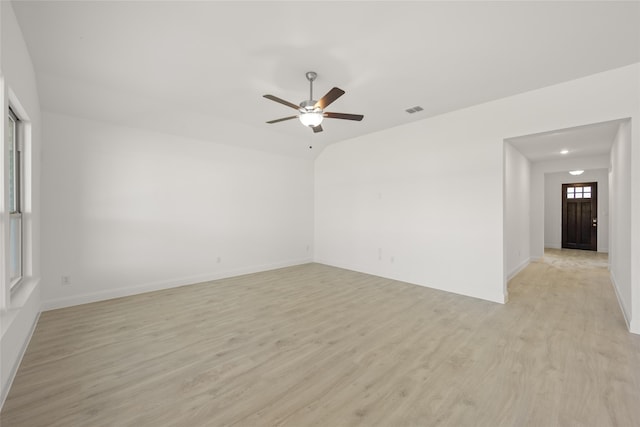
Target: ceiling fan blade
[[344, 116], [282, 101], [282, 119], [317, 129], [331, 96]]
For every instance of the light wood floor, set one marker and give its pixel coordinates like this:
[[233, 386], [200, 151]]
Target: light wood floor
[[315, 345]]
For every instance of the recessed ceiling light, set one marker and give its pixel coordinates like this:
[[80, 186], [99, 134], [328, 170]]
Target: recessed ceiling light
[[576, 172], [564, 152]]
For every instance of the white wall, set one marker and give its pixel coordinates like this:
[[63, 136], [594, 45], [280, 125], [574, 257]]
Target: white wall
[[517, 185], [19, 311], [424, 203], [553, 205], [634, 256], [127, 211], [413, 203], [620, 213]]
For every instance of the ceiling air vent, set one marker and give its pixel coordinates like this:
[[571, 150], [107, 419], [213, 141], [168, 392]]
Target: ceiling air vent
[[414, 109]]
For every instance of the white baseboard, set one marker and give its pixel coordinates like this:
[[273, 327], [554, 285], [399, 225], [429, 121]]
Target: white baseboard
[[559, 246], [167, 284], [622, 308], [635, 326], [500, 298], [518, 269], [14, 369]]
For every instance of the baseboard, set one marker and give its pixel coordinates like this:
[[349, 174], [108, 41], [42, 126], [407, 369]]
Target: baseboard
[[559, 246], [16, 365], [500, 298], [635, 326], [167, 284], [518, 269], [624, 312]]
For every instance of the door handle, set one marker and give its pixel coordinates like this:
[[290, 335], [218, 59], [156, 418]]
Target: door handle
[[594, 222]]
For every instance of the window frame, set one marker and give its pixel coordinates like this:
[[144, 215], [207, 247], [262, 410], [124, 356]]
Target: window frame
[[15, 207], [577, 191]]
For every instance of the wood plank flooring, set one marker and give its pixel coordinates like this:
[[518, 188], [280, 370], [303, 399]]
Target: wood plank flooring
[[314, 345]]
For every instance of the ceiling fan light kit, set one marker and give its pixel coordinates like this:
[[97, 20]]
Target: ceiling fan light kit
[[311, 112], [311, 119]]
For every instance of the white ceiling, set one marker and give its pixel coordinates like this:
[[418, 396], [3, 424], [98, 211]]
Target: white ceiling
[[583, 141], [200, 69]]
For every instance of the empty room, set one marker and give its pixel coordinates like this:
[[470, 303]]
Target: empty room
[[343, 213]]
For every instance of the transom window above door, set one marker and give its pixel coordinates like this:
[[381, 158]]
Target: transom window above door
[[579, 192]]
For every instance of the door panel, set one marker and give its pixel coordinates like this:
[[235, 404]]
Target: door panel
[[579, 216], [572, 218], [585, 223]]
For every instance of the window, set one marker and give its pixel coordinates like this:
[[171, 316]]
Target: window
[[579, 192], [15, 200]]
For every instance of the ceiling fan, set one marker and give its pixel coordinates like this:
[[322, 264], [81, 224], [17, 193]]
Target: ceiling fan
[[311, 111]]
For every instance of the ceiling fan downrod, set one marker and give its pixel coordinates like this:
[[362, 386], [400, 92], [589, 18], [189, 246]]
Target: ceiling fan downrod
[[311, 76]]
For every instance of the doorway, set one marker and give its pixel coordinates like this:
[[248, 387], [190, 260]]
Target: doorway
[[580, 216]]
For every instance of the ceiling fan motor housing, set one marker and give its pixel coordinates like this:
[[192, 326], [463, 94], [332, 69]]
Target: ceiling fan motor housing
[[308, 106]]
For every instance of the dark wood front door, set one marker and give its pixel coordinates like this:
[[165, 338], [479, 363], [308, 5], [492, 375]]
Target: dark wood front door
[[580, 216]]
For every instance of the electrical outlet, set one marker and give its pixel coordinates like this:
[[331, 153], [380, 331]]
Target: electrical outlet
[[65, 280], [219, 260]]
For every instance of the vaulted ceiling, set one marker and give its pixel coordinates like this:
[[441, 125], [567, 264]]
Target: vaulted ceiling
[[199, 69]]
